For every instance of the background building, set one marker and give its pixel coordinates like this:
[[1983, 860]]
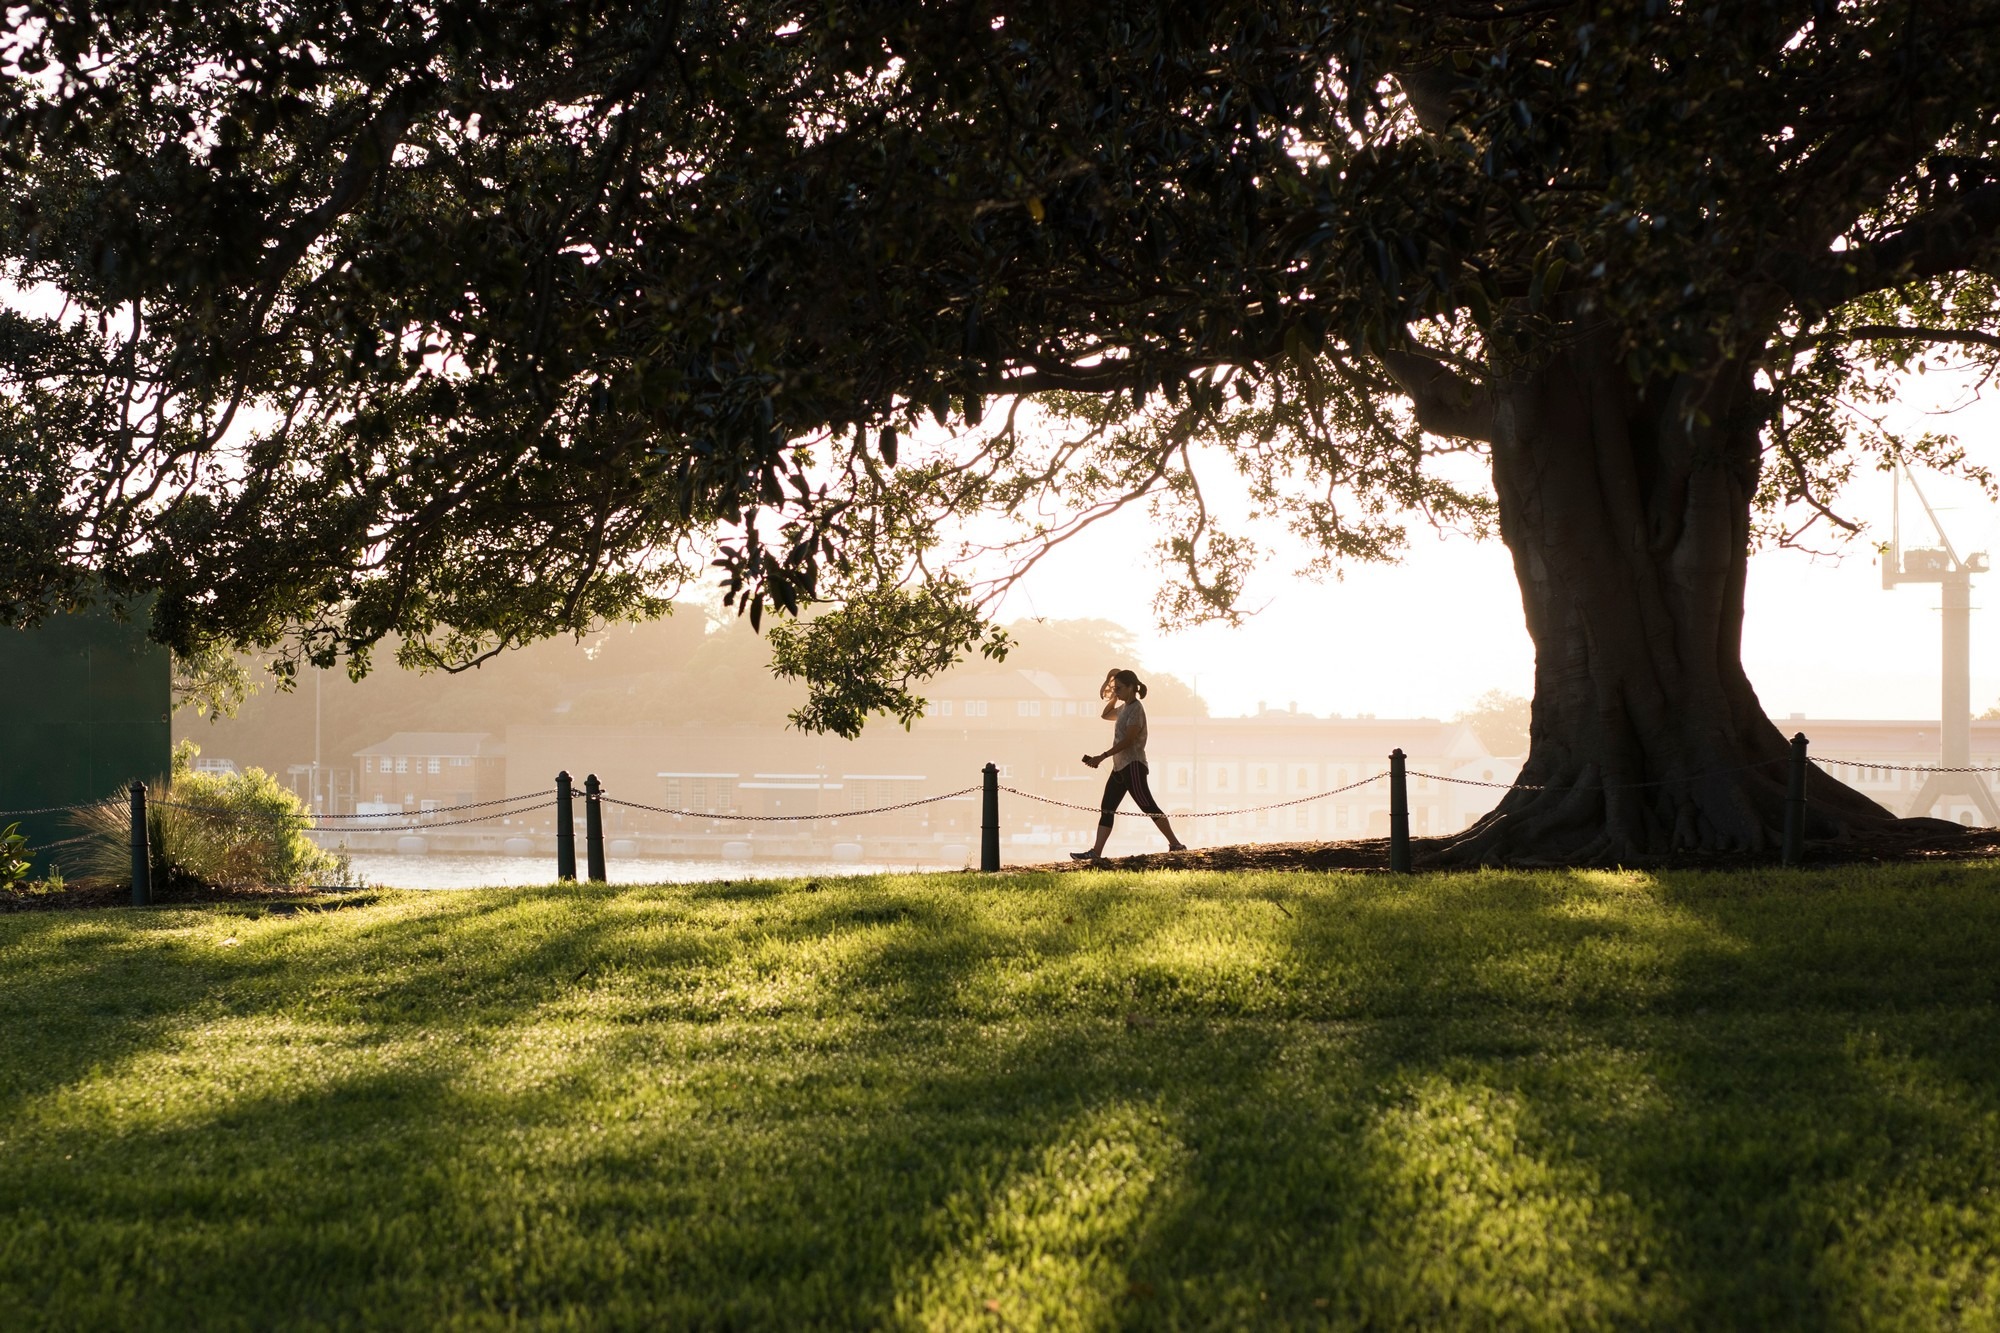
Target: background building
[[419, 770]]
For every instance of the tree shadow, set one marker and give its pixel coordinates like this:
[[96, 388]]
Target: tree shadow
[[1749, 1106], [80, 992], [1350, 1101]]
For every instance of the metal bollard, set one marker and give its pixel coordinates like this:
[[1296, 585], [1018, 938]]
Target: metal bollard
[[1399, 815], [593, 828], [142, 852], [565, 829], [989, 820], [1795, 803]]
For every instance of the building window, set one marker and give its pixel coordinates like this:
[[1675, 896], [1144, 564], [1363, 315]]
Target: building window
[[975, 708], [436, 765], [368, 765], [1069, 708], [1305, 779], [461, 761], [1027, 707], [1183, 776], [944, 708], [709, 794], [402, 764]]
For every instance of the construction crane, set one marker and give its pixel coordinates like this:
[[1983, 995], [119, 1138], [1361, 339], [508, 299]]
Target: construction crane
[[1942, 565]]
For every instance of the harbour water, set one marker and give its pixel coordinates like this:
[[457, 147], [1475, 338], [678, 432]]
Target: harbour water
[[477, 870]]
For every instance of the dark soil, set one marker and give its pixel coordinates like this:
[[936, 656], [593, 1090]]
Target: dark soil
[[1919, 841], [86, 893]]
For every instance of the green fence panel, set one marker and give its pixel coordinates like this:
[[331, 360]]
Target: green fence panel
[[85, 708]]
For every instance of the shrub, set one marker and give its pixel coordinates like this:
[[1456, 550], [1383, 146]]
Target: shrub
[[209, 829], [14, 861]]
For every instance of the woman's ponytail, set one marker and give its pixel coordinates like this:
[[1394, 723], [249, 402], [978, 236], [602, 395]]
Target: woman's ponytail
[[1130, 678]]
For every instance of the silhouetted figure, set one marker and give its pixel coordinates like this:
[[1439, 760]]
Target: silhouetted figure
[[1121, 692]]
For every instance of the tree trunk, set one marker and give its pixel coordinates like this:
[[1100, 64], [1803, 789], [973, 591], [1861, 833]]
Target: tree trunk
[[1627, 510]]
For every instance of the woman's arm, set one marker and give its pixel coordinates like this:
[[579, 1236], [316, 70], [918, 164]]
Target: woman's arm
[[1135, 741]]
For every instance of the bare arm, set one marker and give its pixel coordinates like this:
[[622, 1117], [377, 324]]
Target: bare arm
[[1135, 741], [1129, 743]]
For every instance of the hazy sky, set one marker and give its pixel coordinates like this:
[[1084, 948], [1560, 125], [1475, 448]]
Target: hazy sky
[[1424, 637]]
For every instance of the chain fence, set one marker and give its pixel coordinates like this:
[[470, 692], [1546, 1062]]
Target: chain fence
[[1198, 814], [111, 802], [519, 805], [786, 819], [560, 798], [305, 819], [1606, 786], [1824, 761], [41, 847]]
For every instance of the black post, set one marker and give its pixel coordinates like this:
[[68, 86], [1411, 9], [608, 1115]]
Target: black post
[[1399, 815], [1795, 803], [142, 855], [989, 820], [565, 829], [593, 828]]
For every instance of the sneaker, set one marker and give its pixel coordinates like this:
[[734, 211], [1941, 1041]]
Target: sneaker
[[1085, 856]]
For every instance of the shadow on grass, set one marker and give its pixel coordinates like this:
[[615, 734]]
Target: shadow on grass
[[1551, 1100]]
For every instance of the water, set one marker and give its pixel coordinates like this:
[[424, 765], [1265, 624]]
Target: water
[[475, 871]]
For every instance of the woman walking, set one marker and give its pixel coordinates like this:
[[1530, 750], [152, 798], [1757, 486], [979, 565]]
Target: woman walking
[[1121, 693]]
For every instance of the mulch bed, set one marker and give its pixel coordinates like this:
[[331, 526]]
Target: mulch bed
[[86, 894], [1918, 846]]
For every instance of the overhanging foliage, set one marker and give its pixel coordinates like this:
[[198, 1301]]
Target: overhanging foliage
[[471, 325]]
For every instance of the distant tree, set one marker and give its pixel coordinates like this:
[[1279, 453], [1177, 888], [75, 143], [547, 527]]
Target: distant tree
[[1500, 720], [1086, 649], [470, 324]]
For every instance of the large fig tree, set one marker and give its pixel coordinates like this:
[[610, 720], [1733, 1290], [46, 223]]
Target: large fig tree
[[334, 321]]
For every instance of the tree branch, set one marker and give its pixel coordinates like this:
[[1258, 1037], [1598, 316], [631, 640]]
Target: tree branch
[[1953, 234], [1856, 333], [1447, 403]]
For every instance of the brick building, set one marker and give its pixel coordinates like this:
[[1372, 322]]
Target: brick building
[[420, 770]]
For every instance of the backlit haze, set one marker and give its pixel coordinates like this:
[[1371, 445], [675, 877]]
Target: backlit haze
[[1426, 636]]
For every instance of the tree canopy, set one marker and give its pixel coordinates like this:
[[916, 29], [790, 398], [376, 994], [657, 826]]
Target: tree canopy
[[473, 324]]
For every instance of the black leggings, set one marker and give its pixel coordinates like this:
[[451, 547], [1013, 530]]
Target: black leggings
[[1130, 778]]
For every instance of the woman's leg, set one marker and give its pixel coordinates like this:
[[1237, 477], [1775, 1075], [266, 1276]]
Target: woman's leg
[[1115, 787], [1142, 796]]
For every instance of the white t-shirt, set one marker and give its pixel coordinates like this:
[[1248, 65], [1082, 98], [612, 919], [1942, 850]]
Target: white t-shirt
[[1131, 724]]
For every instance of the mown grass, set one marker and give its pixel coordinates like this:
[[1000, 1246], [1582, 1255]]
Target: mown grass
[[1156, 1100]]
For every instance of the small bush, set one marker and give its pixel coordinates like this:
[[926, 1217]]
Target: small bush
[[209, 829], [14, 861]]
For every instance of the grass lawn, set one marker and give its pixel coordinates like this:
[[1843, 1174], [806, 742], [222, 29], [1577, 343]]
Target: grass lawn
[[1585, 1099]]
